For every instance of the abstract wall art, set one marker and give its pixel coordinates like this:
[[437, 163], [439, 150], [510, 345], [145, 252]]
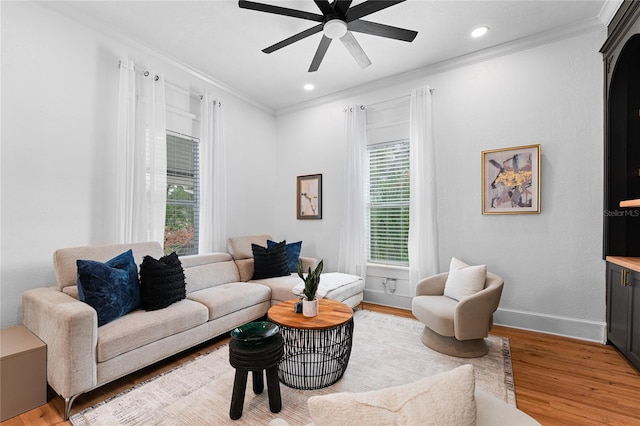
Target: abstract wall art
[[309, 197], [511, 180]]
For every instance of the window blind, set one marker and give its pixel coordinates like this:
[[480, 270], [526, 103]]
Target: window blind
[[181, 225], [388, 207]]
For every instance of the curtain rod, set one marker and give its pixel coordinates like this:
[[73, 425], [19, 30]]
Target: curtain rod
[[146, 73], [173, 85]]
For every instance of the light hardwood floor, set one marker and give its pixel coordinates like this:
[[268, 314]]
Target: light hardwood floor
[[559, 381]]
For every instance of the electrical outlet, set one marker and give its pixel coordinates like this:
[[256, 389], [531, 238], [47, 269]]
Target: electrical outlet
[[391, 284]]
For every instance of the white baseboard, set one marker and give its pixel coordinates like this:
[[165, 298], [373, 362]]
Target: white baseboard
[[387, 299], [593, 331]]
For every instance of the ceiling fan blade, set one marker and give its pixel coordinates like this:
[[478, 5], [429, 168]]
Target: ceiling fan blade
[[287, 41], [278, 10], [368, 7], [324, 6], [341, 6], [322, 49], [355, 49], [381, 30]]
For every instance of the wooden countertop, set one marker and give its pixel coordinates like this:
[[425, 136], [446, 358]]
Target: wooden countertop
[[632, 263], [630, 203]]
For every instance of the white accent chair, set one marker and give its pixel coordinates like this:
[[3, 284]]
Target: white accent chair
[[456, 327]]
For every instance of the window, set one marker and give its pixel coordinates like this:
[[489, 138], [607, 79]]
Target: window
[[388, 208], [181, 225]]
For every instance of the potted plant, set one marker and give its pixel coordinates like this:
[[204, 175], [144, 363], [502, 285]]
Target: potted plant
[[311, 282]]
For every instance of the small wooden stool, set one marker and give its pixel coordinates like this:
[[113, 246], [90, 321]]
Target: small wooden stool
[[255, 358]]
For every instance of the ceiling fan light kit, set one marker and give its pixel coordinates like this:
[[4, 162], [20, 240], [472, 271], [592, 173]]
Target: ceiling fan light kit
[[338, 20], [334, 28]]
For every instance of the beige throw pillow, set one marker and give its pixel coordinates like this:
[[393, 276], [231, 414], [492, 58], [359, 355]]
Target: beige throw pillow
[[464, 280], [444, 399]]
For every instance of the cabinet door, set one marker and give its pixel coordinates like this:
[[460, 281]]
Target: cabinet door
[[634, 318], [617, 308]]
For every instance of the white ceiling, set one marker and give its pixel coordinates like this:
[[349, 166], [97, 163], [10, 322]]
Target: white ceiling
[[224, 42]]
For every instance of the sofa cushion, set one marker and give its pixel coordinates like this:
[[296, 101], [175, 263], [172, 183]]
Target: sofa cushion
[[444, 399], [464, 280], [240, 247], [208, 270], [140, 328], [293, 254], [269, 262], [225, 299], [346, 291], [281, 287], [435, 312], [64, 260], [111, 288], [161, 282], [245, 269]]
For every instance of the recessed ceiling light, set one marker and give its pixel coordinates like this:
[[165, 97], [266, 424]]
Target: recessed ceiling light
[[479, 32], [308, 86]]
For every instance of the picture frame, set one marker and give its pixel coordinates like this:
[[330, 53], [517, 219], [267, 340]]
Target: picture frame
[[511, 180], [309, 197]]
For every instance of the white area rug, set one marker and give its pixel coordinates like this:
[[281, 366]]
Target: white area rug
[[386, 351]]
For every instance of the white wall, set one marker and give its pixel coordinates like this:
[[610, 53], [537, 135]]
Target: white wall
[[550, 94], [59, 106], [59, 95]]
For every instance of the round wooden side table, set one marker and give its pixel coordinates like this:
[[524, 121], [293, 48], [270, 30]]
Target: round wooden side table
[[316, 349]]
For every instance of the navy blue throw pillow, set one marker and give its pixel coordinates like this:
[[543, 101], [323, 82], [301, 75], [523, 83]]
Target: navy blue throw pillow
[[269, 262], [292, 251], [161, 282], [111, 288]]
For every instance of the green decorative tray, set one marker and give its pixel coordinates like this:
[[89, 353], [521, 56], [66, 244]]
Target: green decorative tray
[[254, 333]]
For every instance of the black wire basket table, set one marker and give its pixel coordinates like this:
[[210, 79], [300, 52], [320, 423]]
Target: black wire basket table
[[316, 349]]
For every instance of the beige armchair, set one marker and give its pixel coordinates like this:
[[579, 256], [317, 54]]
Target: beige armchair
[[453, 327]]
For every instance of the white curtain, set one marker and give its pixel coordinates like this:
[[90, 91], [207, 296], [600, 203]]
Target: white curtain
[[212, 233], [423, 229], [141, 156], [352, 256]]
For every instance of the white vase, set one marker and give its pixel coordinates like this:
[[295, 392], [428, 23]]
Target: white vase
[[309, 307]]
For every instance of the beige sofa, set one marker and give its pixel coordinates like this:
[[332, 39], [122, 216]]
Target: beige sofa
[[490, 412], [446, 399], [220, 296], [240, 249]]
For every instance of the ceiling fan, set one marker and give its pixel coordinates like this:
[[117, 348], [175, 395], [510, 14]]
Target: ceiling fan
[[337, 21]]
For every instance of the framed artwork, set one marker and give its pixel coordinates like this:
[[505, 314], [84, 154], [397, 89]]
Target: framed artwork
[[511, 180], [309, 197]]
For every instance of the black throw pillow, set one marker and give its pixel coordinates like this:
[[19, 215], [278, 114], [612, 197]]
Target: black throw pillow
[[270, 262], [161, 282]]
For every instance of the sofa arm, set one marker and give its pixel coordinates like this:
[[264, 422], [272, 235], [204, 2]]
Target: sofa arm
[[69, 327], [308, 262]]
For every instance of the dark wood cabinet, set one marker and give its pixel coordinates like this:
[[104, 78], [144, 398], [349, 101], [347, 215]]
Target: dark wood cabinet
[[623, 311], [621, 236], [621, 54]]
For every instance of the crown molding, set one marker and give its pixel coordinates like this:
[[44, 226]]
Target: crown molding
[[70, 12], [508, 48], [608, 11]]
